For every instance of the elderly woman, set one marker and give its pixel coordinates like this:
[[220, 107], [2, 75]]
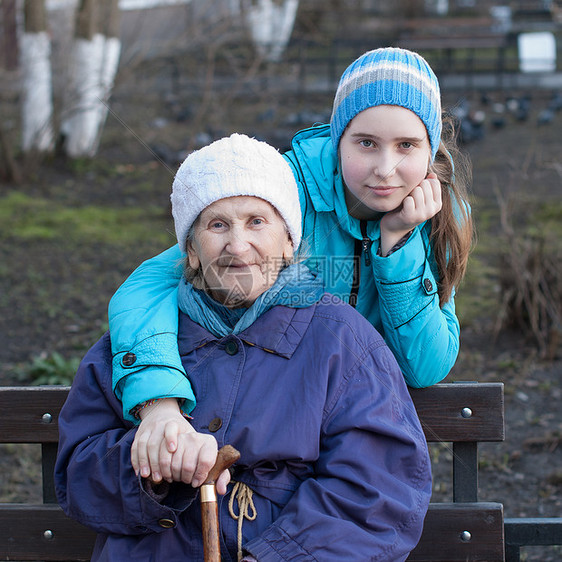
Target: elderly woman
[[333, 459]]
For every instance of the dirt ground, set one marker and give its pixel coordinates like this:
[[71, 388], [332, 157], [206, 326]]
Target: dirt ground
[[54, 289]]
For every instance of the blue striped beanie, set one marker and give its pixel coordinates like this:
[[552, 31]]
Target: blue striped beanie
[[388, 76]]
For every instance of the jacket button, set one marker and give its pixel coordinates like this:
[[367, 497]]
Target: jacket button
[[231, 347], [166, 523], [428, 285], [215, 425], [128, 359]]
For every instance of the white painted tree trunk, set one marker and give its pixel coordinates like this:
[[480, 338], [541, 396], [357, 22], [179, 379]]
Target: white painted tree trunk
[[110, 63], [92, 68], [82, 106], [37, 99], [271, 24], [437, 7], [92, 74]]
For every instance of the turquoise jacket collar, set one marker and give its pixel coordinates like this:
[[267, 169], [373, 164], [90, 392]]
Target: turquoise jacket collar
[[323, 179]]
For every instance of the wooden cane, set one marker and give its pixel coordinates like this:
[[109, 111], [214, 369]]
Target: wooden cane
[[226, 457]]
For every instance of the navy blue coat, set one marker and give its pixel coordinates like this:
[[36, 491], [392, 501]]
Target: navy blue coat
[[314, 400]]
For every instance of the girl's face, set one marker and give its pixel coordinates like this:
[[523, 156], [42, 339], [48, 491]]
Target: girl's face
[[385, 153], [241, 244]]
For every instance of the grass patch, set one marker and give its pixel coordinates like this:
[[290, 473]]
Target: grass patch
[[50, 369], [477, 296], [546, 222], [28, 218]]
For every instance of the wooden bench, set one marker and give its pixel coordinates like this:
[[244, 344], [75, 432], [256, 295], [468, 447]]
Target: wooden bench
[[462, 414]]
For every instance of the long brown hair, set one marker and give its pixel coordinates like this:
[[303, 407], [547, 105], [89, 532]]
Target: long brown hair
[[452, 233]]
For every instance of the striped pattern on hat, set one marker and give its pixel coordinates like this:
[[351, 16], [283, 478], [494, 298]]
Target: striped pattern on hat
[[388, 76]]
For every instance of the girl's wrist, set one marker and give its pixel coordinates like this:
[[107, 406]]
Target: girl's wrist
[[144, 409], [390, 243]]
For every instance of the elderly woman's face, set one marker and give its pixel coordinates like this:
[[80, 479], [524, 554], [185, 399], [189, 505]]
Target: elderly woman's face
[[240, 244]]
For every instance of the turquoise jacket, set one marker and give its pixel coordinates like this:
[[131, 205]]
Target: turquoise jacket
[[397, 294]]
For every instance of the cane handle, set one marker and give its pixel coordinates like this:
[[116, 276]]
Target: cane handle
[[226, 457]]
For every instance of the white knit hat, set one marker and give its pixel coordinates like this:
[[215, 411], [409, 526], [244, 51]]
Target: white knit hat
[[229, 167]]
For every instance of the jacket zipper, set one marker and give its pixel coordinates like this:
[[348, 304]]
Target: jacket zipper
[[365, 243], [362, 246]]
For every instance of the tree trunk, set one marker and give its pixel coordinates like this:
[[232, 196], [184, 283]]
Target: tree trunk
[[92, 69], [271, 24], [110, 25], [37, 102], [10, 34]]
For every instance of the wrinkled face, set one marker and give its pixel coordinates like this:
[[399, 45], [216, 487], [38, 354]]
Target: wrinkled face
[[240, 244], [385, 153]]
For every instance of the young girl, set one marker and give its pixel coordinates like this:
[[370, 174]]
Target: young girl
[[385, 221]]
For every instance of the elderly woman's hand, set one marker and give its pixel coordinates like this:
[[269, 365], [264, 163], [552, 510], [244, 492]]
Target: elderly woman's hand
[[167, 447], [195, 456]]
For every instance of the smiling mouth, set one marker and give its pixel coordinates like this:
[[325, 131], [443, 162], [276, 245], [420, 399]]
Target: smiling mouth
[[235, 266], [383, 189]]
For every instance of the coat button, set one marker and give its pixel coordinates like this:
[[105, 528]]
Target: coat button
[[166, 523], [428, 285], [215, 425], [128, 359], [231, 347]]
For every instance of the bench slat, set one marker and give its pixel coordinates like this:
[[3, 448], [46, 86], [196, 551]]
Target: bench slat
[[25, 526], [534, 531], [443, 527], [440, 409], [23, 534], [22, 411]]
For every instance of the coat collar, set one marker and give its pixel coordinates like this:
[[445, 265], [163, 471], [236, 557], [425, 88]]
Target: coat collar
[[280, 331]]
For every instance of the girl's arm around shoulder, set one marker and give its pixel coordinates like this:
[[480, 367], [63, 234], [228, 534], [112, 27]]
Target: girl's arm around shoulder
[[133, 309], [143, 321], [95, 481]]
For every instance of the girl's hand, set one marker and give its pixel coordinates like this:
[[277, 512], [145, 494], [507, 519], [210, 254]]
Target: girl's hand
[[157, 437], [420, 205]]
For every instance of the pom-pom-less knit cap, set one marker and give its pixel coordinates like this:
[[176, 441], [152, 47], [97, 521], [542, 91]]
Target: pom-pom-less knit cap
[[388, 76], [230, 167]]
